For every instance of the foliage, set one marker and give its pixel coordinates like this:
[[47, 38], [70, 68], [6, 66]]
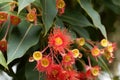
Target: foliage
[[49, 27]]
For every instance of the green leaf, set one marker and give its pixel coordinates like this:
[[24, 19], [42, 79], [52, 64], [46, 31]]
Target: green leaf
[[59, 22], [21, 39], [75, 18], [81, 32], [104, 66], [31, 73], [4, 6], [87, 6], [110, 4], [3, 61], [23, 3], [116, 2], [49, 13], [2, 1], [37, 3]]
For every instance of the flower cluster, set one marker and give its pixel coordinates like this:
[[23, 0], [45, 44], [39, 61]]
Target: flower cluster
[[60, 61], [14, 20]]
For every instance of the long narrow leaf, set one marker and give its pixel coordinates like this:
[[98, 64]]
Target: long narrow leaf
[[86, 5]]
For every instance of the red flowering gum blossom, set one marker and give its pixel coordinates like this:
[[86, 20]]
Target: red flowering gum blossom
[[53, 72], [68, 75], [59, 39], [60, 5], [3, 45], [15, 20], [3, 17], [43, 64], [109, 56], [95, 51], [68, 59], [32, 16], [93, 72], [82, 76]]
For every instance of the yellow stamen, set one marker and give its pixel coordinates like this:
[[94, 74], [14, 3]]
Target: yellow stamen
[[81, 41], [31, 17], [95, 71], [75, 53], [104, 42], [60, 4], [67, 58], [58, 41], [95, 51], [37, 55], [54, 72], [45, 62], [110, 48]]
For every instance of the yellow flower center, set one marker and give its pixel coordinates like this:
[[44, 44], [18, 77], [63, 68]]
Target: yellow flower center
[[45, 62], [95, 52], [108, 55], [54, 72], [75, 53], [95, 72], [110, 48], [16, 20], [60, 4], [67, 58], [58, 41], [37, 55], [3, 45], [104, 42], [81, 41], [68, 67], [3, 17], [31, 17]]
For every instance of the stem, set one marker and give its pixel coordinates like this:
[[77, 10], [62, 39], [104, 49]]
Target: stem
[[44, 49], [90, 42], [89, 62], [85, 49], [58, 60], [52, 55], [39, 76], [7, 30], [82, 62]]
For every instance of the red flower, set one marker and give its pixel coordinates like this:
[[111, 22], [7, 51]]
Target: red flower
[[68, 59], [111, 47], [3, 45], [89, 75], [53, 72], [95, 51], [3, 17], [60, 4], [93, 72], [43, 64], [32, 16], [109, 56], [68, 75], [15, 20], [82, 76], [59, 39]]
